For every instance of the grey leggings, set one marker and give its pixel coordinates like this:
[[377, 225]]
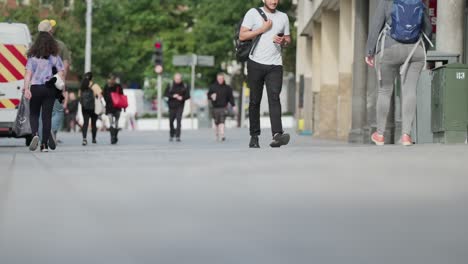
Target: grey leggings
[[394, 57]]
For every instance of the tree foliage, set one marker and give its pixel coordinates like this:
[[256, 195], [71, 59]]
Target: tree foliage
[[125, 31]]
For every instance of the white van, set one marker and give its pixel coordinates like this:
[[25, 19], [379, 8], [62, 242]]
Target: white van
[[15, 39]]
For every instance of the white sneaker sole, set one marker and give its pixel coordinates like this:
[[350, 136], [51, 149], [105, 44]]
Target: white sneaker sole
[[378, 143], [34, 143]]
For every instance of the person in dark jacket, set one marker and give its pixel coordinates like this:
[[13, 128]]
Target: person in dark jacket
[[92, 91], [112, 112], [220, 95], [176, 93]]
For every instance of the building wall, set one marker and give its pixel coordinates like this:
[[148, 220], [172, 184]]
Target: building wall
[[330, 27], [326, 43], [345, 87], [329, 82]]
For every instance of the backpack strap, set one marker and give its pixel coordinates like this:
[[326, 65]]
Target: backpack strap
[[257, 39], [381, 41]]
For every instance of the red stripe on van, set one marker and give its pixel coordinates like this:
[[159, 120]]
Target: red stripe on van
[[18, 55], [10, 68], [3, 79]]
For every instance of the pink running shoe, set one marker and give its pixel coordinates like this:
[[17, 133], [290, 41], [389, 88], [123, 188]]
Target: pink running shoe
[[378, 139], [406, 140]]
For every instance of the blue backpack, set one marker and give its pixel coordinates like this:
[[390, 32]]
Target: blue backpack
[[407, 20]]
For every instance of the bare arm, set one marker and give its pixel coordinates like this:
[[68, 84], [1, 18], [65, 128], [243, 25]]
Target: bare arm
[[66, 68], [27, 84]]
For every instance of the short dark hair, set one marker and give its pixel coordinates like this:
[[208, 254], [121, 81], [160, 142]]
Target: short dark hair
[[44, 46]]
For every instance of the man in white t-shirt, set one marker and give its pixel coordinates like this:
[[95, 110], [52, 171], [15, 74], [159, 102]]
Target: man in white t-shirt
[[265, 67]]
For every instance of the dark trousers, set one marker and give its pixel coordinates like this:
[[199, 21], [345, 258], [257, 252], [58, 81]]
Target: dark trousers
[[42, 100], [175, 114], [87, 114], [272, 77]]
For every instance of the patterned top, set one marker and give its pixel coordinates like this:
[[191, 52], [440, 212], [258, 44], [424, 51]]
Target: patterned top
[[42, 68]]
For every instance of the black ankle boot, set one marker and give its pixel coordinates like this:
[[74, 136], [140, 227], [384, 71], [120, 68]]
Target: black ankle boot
[[254, 142], [112, 135]]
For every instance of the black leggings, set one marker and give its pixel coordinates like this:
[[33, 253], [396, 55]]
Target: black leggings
[[42, 99], [87, 114]]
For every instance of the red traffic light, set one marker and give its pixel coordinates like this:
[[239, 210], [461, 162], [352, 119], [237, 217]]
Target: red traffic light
[[158, 45]]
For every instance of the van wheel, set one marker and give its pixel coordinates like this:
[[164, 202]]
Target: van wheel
[[28, 140]]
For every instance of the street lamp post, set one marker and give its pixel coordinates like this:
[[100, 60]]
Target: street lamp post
[[89, 21]]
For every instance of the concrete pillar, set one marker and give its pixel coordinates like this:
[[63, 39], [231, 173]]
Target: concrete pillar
[[345, 69], [307, 70], [316, 76], [329, 75], [450, 26], [359, 97]]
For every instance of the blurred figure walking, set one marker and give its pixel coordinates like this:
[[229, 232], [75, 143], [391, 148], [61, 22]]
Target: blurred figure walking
[[112, 112], [89, 92], [43, 59], [70, 112], [220, 95], [176, 93], [60, 104]]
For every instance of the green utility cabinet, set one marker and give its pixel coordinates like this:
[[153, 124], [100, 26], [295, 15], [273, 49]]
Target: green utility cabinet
[[422, 131], [450, 103]]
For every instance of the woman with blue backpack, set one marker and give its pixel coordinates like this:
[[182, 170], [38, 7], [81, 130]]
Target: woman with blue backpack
[[397, 45]]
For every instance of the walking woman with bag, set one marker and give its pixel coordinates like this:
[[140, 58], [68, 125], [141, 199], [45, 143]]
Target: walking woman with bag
[[90, 98], [111, 91], [38, 86]]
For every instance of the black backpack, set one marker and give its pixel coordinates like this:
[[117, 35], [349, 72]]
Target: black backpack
[[87, 99], [245, 48]]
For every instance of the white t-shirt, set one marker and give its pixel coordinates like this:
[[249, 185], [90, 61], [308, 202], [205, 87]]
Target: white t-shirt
[[267, 52]]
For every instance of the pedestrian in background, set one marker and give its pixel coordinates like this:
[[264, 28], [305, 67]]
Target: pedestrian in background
[[265, 67], [112, 112], [42, 57], [395, 50], [176, 94], [220, 94], [89, 92], [60, 104], [71, 111]]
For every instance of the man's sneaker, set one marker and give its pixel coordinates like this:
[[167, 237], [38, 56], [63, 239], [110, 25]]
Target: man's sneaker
[[378, 139], [44, 148], [171, 139], [34, 143], [85, 142], [254, 142], [52, 141], [94, 141], [178, 139], [280, 140], [406, 140]]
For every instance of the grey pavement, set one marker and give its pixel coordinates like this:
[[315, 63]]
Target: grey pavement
[[150, 201]]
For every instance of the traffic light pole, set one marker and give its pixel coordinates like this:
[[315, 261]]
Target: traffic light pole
[[159, 86], [192, 87]]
